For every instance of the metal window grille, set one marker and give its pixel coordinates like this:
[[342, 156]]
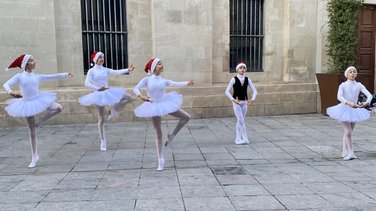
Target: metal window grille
[[104, 28], [246, 33]]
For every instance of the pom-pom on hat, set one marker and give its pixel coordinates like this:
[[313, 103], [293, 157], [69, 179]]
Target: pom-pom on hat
[[94, 57], [348, 69], [151, 65], [20, 62], [241, 64]]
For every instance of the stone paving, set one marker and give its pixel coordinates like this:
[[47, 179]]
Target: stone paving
[[292, 163]]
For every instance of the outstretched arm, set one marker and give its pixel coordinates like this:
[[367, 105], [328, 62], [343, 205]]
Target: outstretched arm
[[54, 76], [180, 84], [122, 71]]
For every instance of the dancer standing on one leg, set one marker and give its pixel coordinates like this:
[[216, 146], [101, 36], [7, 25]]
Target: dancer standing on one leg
[[349, 111], [240, 101], [159, 103], [30, 101], [97, 80]]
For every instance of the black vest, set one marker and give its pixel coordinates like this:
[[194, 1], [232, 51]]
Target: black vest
[[240, 92]]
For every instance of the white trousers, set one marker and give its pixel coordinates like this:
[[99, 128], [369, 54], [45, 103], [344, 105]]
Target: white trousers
[[240, 111]]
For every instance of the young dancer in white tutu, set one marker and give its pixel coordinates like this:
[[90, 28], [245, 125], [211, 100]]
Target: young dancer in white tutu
[[159, 103], [30, 102], [103, 95], [240, 101], [349, 111]]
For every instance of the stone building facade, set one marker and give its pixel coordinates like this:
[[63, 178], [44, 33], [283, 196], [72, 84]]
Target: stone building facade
[[191, 36]]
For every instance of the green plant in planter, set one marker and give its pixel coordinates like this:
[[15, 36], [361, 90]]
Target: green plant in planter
[[342, 35]]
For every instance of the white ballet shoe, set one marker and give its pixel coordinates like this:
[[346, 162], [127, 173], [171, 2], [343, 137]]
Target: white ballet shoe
[[345, 152], [353, 156], [160, 164], [239, 142], [33, 161], [103, 145], [349, 157], [170, 137], [112, 114]]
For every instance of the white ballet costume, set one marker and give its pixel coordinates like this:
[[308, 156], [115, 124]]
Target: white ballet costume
[[96, 78], [32, 102], [240, 110], [162, 103], [348, 92]]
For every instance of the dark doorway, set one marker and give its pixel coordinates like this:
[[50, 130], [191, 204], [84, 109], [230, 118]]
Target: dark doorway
[[366, 46]]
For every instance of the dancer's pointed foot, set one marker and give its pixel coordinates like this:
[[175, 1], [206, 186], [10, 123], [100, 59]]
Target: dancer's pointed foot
[[160, 164], [170, 137], [103, 145], [112, 114]]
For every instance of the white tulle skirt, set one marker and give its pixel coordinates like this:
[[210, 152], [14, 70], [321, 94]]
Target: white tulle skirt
[[21, 107], [108, 97], [345, 113], [170, 103]]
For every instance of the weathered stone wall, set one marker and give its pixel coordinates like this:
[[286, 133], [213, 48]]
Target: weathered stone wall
[[28, 27], [191, 36]]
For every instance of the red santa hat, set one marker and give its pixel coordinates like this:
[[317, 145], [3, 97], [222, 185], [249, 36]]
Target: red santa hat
[[241, 64], [20, 62], [94, 57], [151, 65]]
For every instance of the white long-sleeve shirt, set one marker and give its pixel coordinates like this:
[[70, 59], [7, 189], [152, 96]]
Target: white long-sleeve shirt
[[241, 78], [97, 76], [155, 86], [349, 92], [29, 82]]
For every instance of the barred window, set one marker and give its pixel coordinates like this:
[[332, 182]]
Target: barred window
[[104, 28], [246, 33]]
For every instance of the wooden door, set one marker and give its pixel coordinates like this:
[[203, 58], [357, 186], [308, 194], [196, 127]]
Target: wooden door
[[366, 46]]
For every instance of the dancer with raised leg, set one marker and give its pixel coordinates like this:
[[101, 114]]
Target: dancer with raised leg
[[30, 102], [103, 95], [159, 103]]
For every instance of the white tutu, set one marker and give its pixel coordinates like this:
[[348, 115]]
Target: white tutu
[[345, 113], [170, 103], [21, 107], [108, 97]]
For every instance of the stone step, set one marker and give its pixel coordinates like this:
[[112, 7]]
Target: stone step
[[199, 101]]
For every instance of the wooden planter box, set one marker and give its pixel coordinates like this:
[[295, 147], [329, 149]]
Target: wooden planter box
[[328, 86]]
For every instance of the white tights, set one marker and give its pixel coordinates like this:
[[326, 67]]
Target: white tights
[[124, 100], [347, 147], [101, 112], [240, 111], [184, 118], [53, 110]]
